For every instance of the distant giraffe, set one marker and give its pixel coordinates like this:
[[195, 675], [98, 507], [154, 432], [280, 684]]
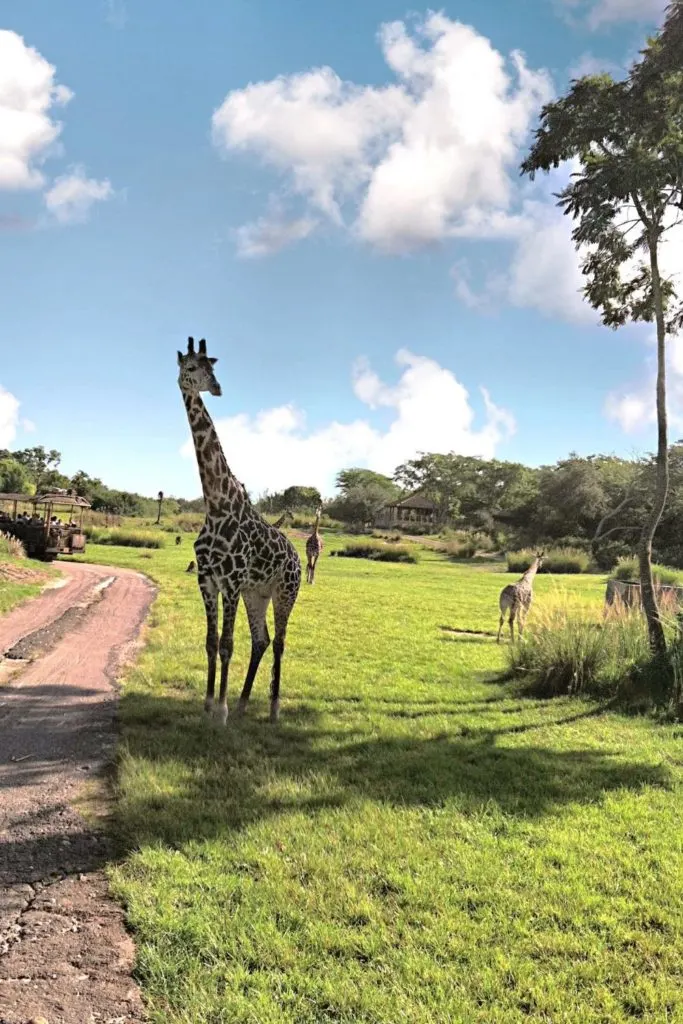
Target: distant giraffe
[[178, 540], [279, 523], [516, 598], [238, 552], [314, 546]]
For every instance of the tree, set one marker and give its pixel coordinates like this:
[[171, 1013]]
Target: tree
[[358, 505], [349, 479], [14, 477], [627, 193], [39, 463]]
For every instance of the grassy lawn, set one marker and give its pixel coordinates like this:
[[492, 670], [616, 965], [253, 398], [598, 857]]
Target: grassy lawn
[[412, 843]]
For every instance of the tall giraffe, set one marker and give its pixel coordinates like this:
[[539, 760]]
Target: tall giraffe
[[314, 546], [279, 523], [516, 598], [238, 552]]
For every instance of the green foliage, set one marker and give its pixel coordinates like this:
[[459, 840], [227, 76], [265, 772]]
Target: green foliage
[[350, 479], [464, 545], [556, 560], [377, 551], [568, 650], [663, 575], [125, 538], [295, 498], [359, 505], [15, 477]]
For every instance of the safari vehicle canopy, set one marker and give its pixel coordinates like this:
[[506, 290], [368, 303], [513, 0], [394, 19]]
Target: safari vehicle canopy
[[47, 524]]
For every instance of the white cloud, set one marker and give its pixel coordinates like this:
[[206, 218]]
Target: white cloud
[[599, 14], [269, 235], [589, 64], [9, 417], [71, 195], [28, 94], [607, 12], [28, 426], [416, 162], [431, 412]]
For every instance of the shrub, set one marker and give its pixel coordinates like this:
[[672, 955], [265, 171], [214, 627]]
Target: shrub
[[567, 649], [377, 551], [465, 545], [11, 547], [557, 560], [125, 538], [627, 569]]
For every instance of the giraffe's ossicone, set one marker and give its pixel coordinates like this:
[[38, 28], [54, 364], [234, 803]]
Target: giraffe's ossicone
[[238, 553]]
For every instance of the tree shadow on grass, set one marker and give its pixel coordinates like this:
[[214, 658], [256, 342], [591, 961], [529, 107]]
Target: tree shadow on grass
[[212, 782]]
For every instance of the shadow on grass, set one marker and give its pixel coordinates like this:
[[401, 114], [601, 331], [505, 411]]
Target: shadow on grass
[[212, 782]]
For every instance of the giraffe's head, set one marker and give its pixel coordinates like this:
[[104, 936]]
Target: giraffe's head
[[196, 370], [539, 558]]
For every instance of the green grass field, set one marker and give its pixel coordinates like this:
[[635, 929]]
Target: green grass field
[[413, 842], [13, 592]]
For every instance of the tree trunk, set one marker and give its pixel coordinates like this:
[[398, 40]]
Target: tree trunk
[[654, 623]]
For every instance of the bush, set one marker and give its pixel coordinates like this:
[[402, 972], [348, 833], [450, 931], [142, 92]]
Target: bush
[[557, 560], [11, 547], [125, 538], [377, 551], [465, 545], [568, 650], [627, 569]]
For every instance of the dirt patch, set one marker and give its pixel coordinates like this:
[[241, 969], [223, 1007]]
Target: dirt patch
[[64, 952], [15, 572]]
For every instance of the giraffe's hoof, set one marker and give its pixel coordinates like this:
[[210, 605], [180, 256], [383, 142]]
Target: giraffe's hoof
[[241, 708], [221, 713], [208, 706], [274, 711]]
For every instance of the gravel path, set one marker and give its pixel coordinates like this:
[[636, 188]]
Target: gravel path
[[65, 956]]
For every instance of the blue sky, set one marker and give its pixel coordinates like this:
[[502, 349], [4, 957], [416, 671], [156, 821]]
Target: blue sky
[[335, 205]]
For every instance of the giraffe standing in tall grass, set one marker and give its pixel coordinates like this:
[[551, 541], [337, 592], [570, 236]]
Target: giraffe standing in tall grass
[[516, 598]]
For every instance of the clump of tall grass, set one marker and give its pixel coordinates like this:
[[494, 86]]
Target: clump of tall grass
[[663, 575], [378, 551], [556, 560], [568, 649], [11, 547], [125, 538], [465, 545]]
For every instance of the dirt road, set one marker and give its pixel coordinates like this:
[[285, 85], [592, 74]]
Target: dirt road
[[65, 956]]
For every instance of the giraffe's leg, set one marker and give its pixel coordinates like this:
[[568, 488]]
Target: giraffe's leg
[[225, 648], [309, 569], [209, 592], [257, 606], [513, 612], [500, 626], [314, 562], [283, 602]]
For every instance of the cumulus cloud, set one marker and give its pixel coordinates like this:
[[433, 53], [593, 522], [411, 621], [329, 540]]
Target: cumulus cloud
[[414, 162], [431, 412], [9, 417], [72, 195], [29, 95], [29, 132], [270, 234]]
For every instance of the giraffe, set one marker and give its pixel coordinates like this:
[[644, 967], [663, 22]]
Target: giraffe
[[238, 553], [516, 598], [279, 523], [314, 546]]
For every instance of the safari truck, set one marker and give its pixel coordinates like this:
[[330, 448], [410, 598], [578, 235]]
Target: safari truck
[[46, 524]]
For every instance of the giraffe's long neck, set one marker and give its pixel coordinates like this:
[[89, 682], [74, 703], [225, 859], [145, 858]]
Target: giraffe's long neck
[[314, 531], [219, 485], [531, 572]]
